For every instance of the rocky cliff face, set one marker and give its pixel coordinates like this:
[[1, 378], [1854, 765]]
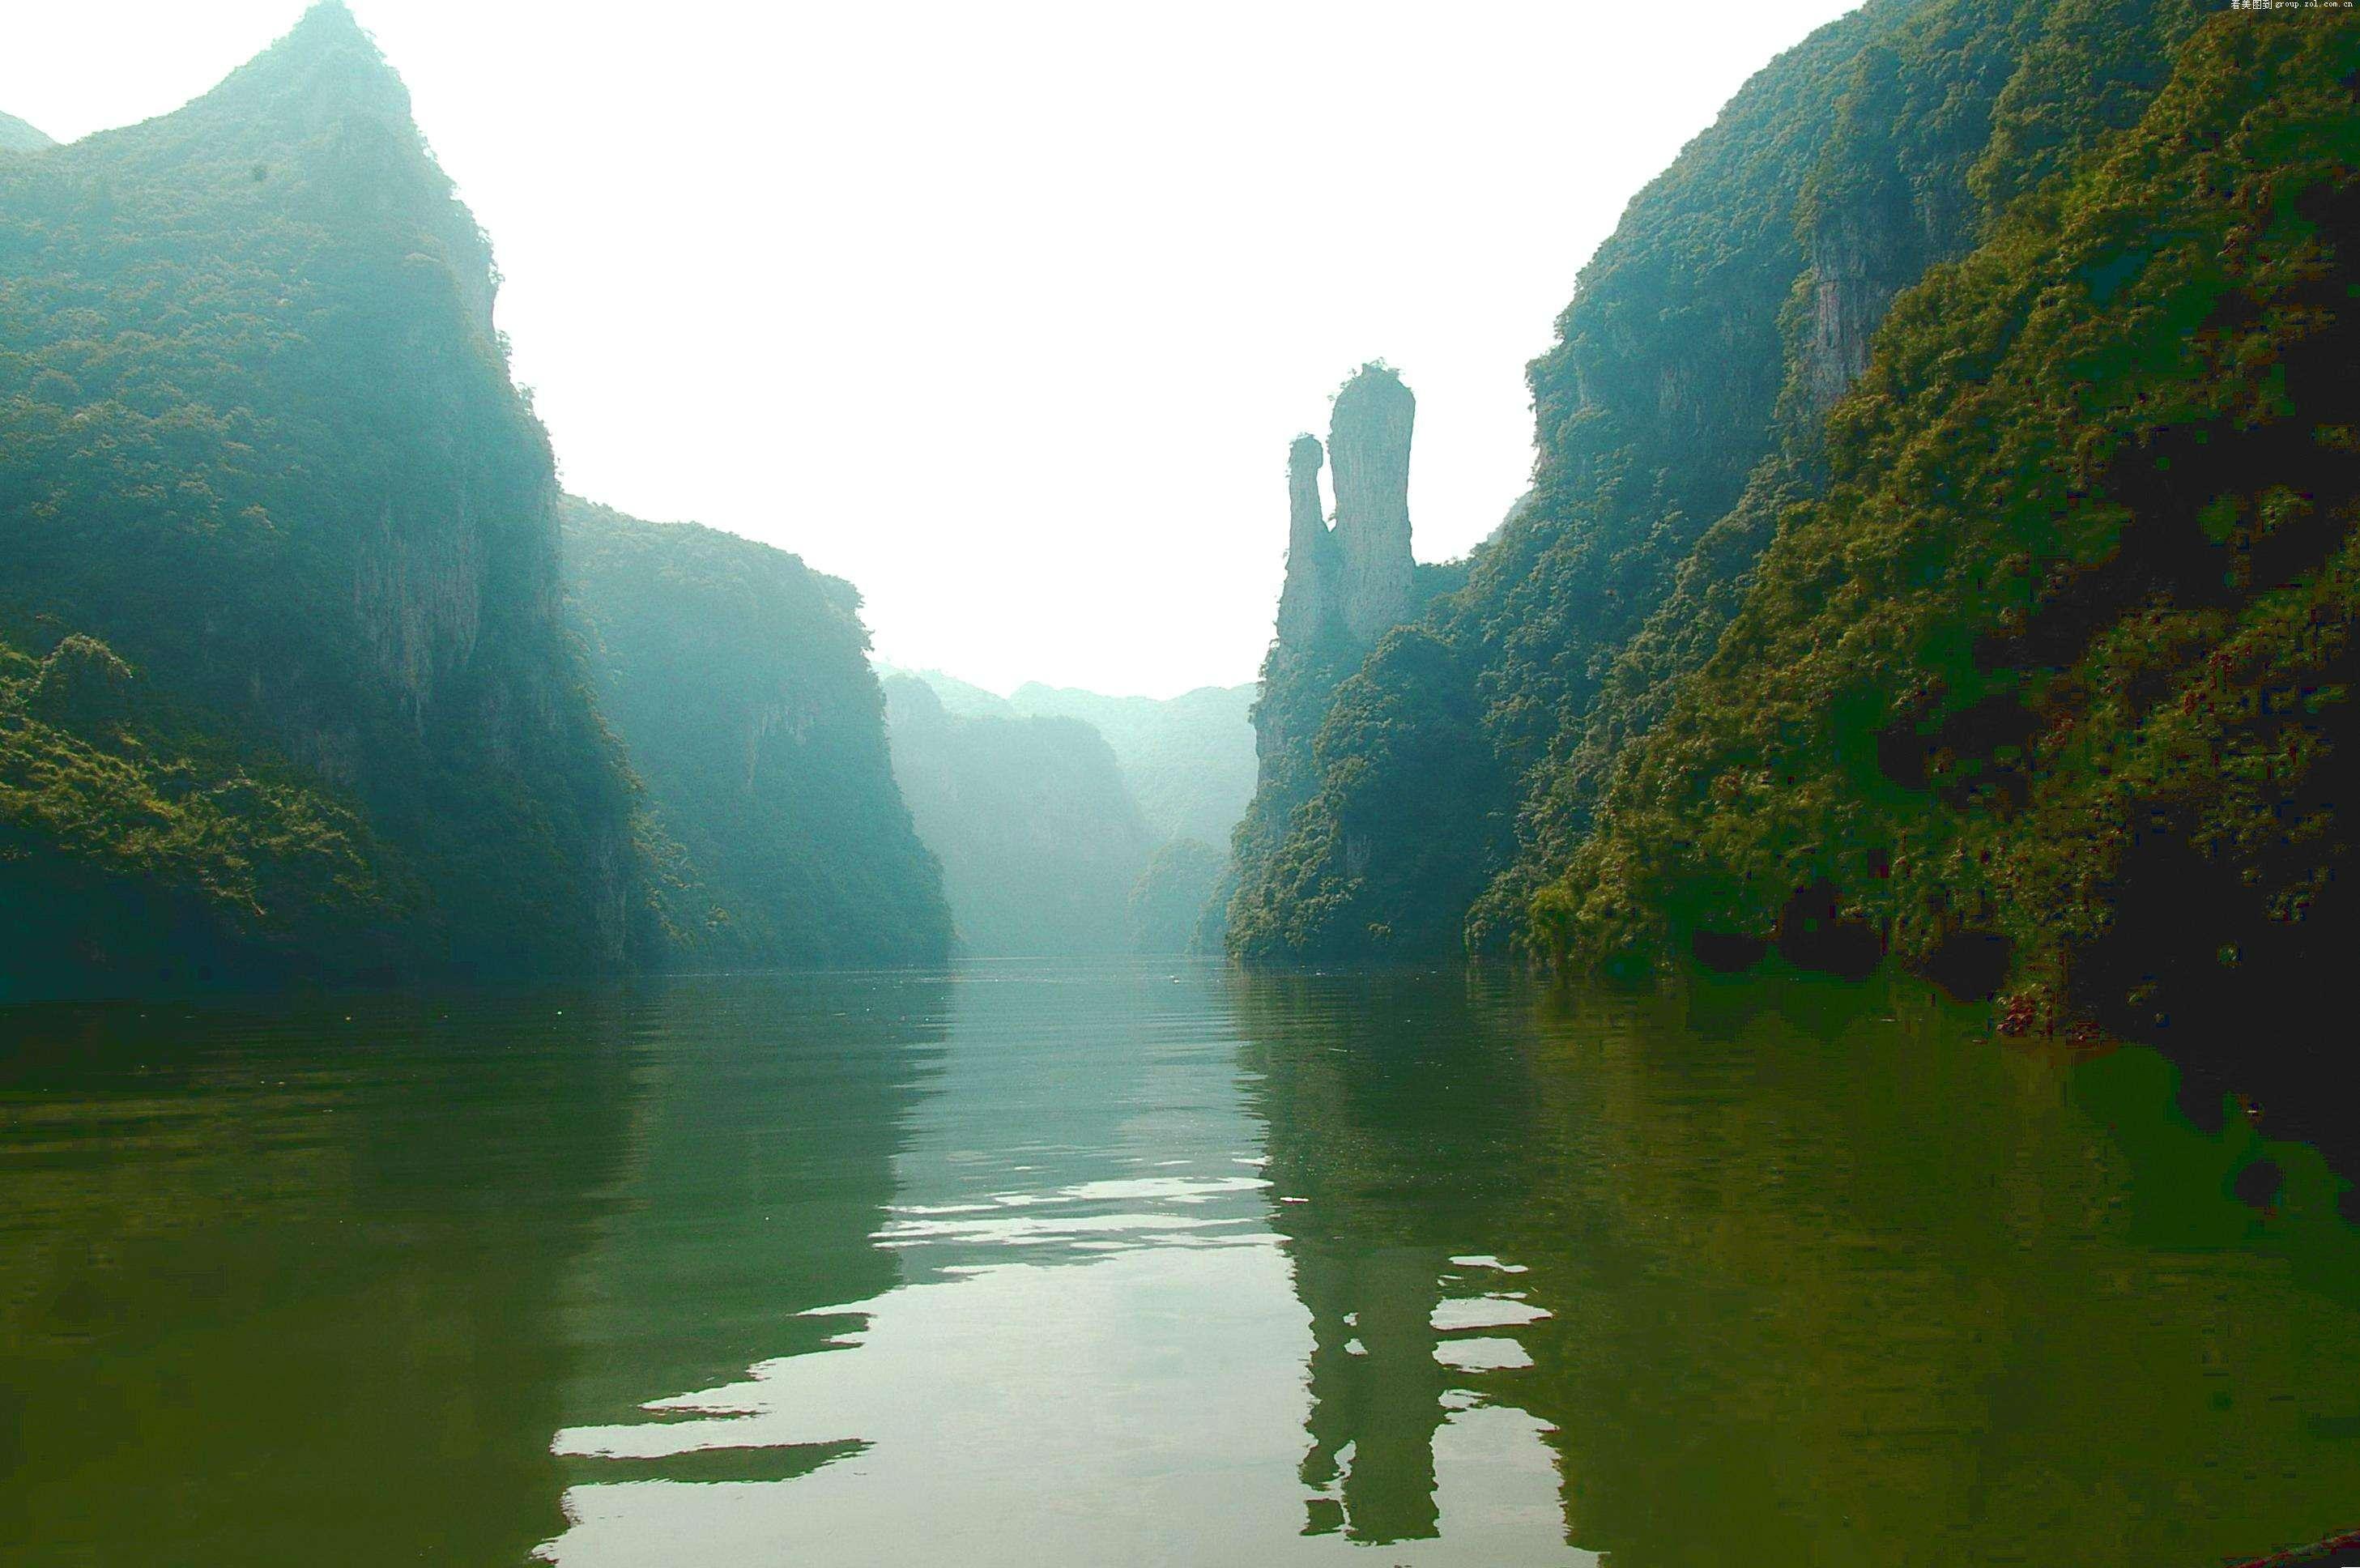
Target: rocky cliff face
[[1678, 415], [1314, 576], [271, 454], [738, 678], [1369, 438], [1347, 586], [1351, 580]]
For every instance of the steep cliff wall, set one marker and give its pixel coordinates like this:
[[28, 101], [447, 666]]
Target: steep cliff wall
[[738, 678], [1678, 416], [2047, 692], [1368, 443], [268, 449], [1346, 587], [1311, 602]]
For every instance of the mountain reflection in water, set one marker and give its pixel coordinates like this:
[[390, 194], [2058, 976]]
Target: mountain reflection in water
[[1065, 1265]]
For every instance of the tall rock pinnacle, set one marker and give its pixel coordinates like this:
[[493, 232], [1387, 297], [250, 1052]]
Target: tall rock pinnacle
[[1351, 581], [1313, 580], [1368, 438]]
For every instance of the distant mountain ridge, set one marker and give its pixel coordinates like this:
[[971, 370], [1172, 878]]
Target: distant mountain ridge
[[1039, 838], [1185, 766], [1188, 760]]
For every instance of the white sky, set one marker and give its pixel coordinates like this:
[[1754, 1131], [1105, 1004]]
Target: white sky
[[1008, 311]]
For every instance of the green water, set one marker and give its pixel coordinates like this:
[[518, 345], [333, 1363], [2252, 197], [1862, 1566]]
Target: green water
[[1106, 1266]]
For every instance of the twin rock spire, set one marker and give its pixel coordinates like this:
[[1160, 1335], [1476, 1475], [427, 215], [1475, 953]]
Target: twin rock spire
[[1351, 580]]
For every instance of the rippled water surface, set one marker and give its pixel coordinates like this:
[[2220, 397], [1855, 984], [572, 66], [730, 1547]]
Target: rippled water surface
[[1146, 1266]]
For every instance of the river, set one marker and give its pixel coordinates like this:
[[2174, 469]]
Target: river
[[1148, 1264]]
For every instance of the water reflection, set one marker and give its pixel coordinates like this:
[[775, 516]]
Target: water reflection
[[1093, 1351], [278, 1285], [1398, 1118], [1119, 1265], [767, 1112], [1800, 1274]]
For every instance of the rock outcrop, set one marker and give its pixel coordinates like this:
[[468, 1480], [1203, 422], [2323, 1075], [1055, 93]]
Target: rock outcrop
[[1368, 437], [300, 494], [1347, 584], [1314, 575], [1352, 580]]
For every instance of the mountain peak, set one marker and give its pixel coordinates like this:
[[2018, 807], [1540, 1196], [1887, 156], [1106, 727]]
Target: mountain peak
[[16, 136], [326, 65]]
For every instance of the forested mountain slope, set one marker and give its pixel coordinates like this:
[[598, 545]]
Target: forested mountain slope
[[2050, 691], [738, 678], [1678, 416], [16, 136], [289, 682]]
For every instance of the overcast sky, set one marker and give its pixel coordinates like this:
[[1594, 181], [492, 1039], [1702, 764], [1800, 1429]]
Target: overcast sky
[[1008, 311]]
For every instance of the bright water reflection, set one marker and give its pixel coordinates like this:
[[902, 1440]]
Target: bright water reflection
[[1094, 1353], [1094, 1265]]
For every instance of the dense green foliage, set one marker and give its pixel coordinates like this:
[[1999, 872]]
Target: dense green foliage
[[2050, 688], [739, 679], [1678, 417], [135, 843], [257, 433], [1038, 840]]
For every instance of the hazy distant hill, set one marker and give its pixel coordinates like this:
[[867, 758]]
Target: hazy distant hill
[[1189, 759], [1038, 840], [16, 136], [1185, 768]]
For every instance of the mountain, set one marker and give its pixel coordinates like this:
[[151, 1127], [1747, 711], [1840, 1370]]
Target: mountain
[[1459, 763], [288, 687], [1173, 905], [16, 136], [2049, 693], [1038, 840], [1349, 580], [1188, 760], [739, 679], [1187, 767]]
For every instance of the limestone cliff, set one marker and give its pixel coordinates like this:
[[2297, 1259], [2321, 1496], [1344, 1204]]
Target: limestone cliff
[[1679, 416], [267, 449], [1368, 437], [1351, 581], [738, 678], [1347, 584], [1314, 575]]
